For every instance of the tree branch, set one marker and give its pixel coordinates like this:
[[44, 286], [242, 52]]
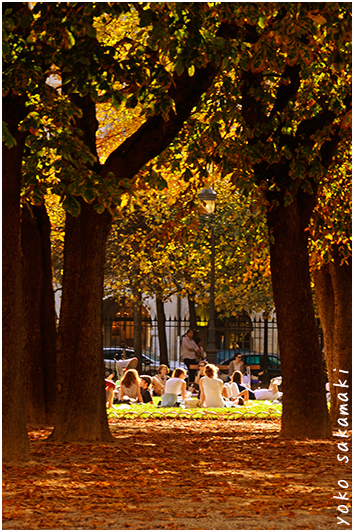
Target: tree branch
[[156, 133]]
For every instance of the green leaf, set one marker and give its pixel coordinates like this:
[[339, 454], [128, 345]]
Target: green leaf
[[145, 18], [257, 64], [71, 39], [89, 195], [191, 70], [261, 22], [72, 205], [99, 208], [288, 198], [7, 138], [131, 102], [91, 32], [26, 20], [179, 66]]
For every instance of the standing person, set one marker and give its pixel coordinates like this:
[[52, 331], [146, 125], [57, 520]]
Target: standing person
[[173, 387], [189, 353], [159, 380], [130, 386]]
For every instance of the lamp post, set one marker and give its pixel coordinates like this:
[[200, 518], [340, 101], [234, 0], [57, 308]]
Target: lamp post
[[208, 198]]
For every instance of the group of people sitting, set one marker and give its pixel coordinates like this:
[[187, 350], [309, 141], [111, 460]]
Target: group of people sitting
[[214, 392], [133, 388], [207, 386], [140, 389]]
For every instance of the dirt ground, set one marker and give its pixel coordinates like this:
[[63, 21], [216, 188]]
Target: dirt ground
[[179, 475]]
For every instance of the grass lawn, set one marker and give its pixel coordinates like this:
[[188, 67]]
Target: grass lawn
[[253, 410]]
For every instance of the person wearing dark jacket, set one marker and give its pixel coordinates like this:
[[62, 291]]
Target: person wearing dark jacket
[[145, 382]]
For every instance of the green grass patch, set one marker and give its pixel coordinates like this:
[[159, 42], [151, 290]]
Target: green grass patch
[[253, 410]]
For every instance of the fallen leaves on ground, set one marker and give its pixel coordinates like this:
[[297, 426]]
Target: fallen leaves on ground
[[177, 475]]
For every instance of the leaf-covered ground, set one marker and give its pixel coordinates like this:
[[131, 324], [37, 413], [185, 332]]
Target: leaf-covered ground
[[178, 475]]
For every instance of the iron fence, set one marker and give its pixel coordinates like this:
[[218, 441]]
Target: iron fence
[[256, 339], [250, 336]]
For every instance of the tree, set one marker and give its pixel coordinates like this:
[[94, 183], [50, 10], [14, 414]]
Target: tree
[[331, 263], [80, 415], [15, 441], [39, 316], [290, 185], [276, 115]]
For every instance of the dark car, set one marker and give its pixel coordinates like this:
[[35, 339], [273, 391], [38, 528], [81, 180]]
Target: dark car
[[255, 359], [224, 356]]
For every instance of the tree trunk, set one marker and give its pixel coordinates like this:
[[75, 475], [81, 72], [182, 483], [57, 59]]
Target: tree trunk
[[15, 444], [305, 412], [39, 316], [192, 314], [161, 328], [334, 298], [81, 411], [138, 332]]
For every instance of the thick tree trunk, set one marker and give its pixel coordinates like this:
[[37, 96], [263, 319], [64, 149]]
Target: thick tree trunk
[[333, 288], [192, 314], [80, 410], [161, 328], [305, 412], [39, 316], [15, 444], [138, 332]]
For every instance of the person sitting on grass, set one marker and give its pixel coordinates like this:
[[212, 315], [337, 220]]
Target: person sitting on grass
[[200, 373], [130, 387], [159, 380], [110, 387], [174, 386], [211, 388], [145, 381], [262, 394], [232, 393]]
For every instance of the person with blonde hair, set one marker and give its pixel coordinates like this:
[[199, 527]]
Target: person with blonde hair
[[159, 380], [175, 386], [130, 386], [211, 388]]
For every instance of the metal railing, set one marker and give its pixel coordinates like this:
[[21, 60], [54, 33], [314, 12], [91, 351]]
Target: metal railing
[[250, 337]]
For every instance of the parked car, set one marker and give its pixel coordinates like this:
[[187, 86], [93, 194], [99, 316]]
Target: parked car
[[250, 359], [224, 355]]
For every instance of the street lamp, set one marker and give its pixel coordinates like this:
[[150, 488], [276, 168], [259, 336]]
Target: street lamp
[[208, 198]]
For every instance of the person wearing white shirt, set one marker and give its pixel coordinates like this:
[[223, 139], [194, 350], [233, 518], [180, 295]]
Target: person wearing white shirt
[[211, 388], [174, 386]]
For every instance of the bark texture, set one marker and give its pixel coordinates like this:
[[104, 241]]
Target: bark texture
[[192, 314], [305, 412], [39, 316], [161, 326], [80, 411], [138, 332], [333, 288], [15, 444]]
